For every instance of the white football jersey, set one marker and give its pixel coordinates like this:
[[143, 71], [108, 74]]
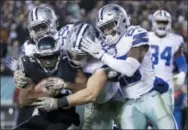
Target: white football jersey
[[143, 79], [163, 50]]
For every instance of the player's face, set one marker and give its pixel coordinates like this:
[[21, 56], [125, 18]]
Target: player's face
[[49, 62], [40, 29], [161, 25], [109, 28], [76, 58]]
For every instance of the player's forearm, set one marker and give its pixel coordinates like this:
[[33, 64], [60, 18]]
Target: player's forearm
[[26, 95], [89, 94], [127, 67], [181, 63], [75, 87]]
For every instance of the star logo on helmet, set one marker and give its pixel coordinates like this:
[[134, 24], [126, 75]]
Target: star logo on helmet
[[116, 9]]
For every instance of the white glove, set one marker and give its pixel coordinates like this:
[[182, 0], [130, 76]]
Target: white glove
[[94, 49], [46, 104], [180, 78], [112, 74], [11, 63], [20, 79]]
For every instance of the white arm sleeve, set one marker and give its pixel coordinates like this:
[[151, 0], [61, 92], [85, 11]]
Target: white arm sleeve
[[126, 67]]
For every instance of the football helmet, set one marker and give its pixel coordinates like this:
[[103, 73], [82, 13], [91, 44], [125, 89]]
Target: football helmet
[[48, 53], [112, 21], [42, 20], [161, 22], [76, 56]]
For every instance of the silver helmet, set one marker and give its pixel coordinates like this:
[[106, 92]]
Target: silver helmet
[[161, 22], [48, 53], [76, 56], [42, 20], [112, 20]]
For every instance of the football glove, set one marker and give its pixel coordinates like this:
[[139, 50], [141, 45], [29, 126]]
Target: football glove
[[21, 80], [94, 49], [180, 78], [46, 104]]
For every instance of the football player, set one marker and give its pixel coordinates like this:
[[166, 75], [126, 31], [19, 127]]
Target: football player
[[46, 62], [166, 49], [42, 21], [105, 95], [127, 53]]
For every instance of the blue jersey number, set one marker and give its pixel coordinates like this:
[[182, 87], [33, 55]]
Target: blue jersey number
[[165, 55]]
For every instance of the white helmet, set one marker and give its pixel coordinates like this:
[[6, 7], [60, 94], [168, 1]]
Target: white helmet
[[48, 53], [161, 22], [76, 56], [42, 21], [112, 20]]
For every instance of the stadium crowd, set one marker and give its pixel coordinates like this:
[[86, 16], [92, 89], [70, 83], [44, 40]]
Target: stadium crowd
[[13, 31]]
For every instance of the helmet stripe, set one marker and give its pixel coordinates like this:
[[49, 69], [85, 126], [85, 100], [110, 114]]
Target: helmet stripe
[[36, 13], [77, 33], [31, 15], [101, 13], [34, 18], [80, 34]]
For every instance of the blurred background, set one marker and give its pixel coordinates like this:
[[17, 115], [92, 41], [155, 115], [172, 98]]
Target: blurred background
[[13, 33]]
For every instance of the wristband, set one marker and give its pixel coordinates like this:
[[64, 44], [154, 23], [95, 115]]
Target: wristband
[[62, 102]]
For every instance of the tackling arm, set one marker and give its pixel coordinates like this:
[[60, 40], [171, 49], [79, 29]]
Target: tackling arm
[[94, 85]]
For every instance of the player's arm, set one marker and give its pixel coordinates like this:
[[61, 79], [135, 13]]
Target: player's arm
[[26, 95], [129, 66], [94, 85], [135, 55], [180, 62]]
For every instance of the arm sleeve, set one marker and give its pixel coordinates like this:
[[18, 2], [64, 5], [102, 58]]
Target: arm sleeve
[[126, 67], [181, 63]]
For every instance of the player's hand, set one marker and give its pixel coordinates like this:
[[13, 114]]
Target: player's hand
[[180, 78], [21, 80], [94, 49], [46, 103], [112, 74], [55, 85], [11, 63]]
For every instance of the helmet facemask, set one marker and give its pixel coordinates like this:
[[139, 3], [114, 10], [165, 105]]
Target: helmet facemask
[[161, 23], [48, 56], [76, 59], [42, 21], [39, 30]]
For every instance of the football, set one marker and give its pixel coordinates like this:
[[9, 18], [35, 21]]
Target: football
[[50, 86]]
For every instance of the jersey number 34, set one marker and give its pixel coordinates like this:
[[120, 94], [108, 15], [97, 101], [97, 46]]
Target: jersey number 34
[[165, 54]]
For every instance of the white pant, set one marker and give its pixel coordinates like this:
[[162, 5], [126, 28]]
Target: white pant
[[101, 116], [136, 112], [168, 97]]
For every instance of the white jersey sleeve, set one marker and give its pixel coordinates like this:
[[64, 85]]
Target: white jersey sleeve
[[138, 35], [27, 49]]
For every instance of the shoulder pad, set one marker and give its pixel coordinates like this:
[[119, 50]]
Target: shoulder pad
[[179, 39], [139, 36]]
